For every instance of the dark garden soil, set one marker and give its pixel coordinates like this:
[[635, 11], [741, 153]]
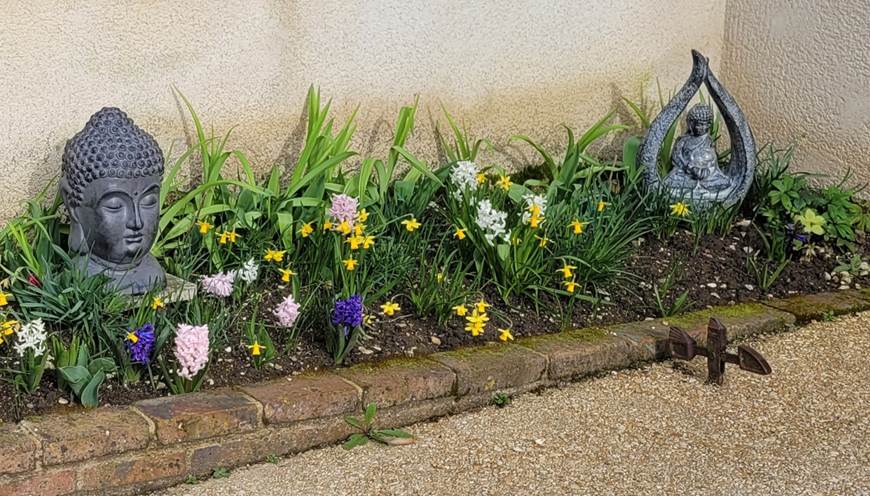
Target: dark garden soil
[[714, 274]]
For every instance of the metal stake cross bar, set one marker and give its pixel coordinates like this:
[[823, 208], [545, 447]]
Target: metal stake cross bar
[[685, 347]]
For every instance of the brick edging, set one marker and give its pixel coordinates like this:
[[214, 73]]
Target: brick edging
[[158, 442]]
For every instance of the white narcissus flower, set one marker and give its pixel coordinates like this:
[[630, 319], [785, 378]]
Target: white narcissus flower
[[249, 271], [491, 221], [464, 176], [31, 336], [534, 203]]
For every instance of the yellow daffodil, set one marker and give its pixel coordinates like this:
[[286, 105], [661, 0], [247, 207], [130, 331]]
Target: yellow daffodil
[[229, 236], [542, 240], [535, 219], [349, 264], [459, 234], [411, 224], [481, 178], [389, 308], [132, 337], [306, 229], [157, 303], [274, 255], [355, 242], [368, 242], [344, 228], [8, 327], [481, 306], [504, 182], [286, 274], [327, 225], [566, 271], [256, 348], [476, 329], [4, 299], [204, 226], [476, 322], [358, 228], [460, 310], [439, 277], [362, 216], [505, 335], [577, 226], [680, 209], [570, 286], [601, 205]]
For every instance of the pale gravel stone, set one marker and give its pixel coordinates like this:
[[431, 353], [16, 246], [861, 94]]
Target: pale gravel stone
[[656, 430]]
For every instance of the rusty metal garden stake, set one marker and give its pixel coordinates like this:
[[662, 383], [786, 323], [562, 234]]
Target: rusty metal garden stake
[[684, 347]]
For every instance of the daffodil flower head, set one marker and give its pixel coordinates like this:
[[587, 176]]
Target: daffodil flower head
[[390, 308], [256, 349], [680, 209], [350, 264], [567, 271], [481, 306], [577, 226], [286, 274], [274, 255], [306, 229], [411, 224], [460, 310], [504, 182], [157, 303], [204, 226], [505, 335]]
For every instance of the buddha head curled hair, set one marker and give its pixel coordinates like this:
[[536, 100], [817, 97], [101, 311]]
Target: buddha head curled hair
[[110, 145], [701, 114]]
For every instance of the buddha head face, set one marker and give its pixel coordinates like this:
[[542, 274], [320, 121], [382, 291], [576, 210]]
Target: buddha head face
[[699, 119], [111, 187]]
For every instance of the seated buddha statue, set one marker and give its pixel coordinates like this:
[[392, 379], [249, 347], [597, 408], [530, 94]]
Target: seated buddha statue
[[695, 170], [110, 186]]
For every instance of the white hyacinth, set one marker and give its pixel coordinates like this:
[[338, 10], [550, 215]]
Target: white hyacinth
[[491, 221], [31, 336], [249, 271], [534, 200], [464, 176]]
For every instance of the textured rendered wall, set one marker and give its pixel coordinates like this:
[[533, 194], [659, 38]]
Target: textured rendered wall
[[801, 71], [503, 66]]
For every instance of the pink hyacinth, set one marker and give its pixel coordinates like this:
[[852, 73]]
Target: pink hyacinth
[[287, 311], [191, 349], [344, 208], [219, 284]]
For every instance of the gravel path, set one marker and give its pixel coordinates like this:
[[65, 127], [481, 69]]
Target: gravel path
[[803, 430]]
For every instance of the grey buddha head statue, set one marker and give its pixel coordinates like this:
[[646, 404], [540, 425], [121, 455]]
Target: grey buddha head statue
[[110, 185], [699, 119]]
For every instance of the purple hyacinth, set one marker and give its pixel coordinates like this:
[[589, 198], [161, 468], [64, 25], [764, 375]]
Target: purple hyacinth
[[348, 313], [140, 347]]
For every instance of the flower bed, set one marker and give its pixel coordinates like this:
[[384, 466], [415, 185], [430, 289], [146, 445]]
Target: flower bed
[[162, 441], [316, 267]]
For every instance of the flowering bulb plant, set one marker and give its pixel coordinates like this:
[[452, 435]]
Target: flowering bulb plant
[[259, 343], [191, 354], [346, 320], [31, 349]]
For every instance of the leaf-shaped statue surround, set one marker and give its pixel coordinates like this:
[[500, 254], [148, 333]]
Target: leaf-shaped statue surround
[[696, 176]]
